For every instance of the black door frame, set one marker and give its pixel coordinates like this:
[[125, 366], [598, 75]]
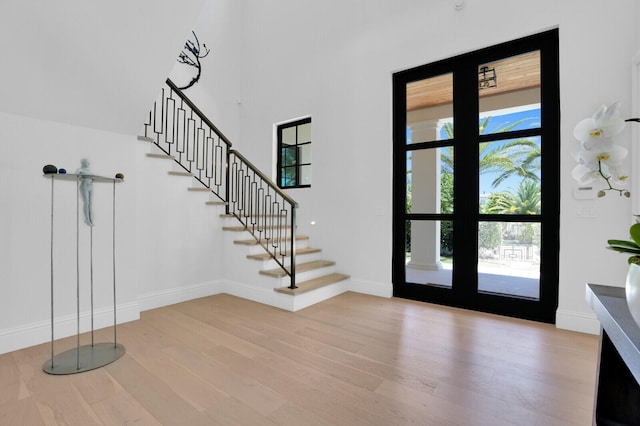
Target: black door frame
[[466, 215]]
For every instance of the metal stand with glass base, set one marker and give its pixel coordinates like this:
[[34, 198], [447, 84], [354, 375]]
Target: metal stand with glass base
[[95, 355]]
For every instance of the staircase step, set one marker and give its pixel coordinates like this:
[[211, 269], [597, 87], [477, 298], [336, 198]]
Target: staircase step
[[238, 228], [146, 139], [161, 156], [299, 252], [241, 228], [313, 284], [232, 216], [185, 174], [253, 241], [216, 203], [199, 189], [302, 267]]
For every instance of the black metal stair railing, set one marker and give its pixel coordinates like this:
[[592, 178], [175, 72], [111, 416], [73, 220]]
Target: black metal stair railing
[[265, 211], [181, 130]]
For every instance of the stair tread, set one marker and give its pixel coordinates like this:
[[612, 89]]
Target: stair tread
[[253, 241], [302, 267], [199, 189], [299, 251], [216, 203], [186, 174], [161, 156], [313, 284], [146, 139]]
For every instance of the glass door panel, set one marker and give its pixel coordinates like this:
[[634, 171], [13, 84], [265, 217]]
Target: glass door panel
[[430, 109], [429, 252], [509, 259], [510, 176], [430, 180], [509, 86]]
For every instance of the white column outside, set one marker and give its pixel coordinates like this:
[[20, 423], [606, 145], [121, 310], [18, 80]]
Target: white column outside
[[425, 198]]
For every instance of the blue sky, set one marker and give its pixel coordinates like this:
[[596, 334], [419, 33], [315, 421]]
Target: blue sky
[[530, 119]]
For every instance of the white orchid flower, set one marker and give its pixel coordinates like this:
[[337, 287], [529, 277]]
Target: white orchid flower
[[599, 157], [605, 124], [585, 175]]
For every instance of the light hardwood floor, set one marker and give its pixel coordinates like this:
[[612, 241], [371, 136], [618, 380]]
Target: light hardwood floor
[[351, 360]]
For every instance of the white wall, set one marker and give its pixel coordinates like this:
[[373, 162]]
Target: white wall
[[167, 241], [76, 62], [25, 227], [220, 27], [78, 81], [179, 250], [334, 60]]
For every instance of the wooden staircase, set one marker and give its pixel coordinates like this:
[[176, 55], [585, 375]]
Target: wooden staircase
[[313, 274]]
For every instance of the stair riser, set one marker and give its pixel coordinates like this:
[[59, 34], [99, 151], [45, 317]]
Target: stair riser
[[233, 221], [256, 248], [266, 265], [303, 276]]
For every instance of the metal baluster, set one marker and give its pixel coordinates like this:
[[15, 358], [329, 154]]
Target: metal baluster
[[293, 248]]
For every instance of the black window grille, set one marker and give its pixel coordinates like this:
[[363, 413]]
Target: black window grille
[[294, 154]]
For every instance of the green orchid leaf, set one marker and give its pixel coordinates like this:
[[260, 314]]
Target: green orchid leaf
[[625, 249], [623, 243], [635, 232]]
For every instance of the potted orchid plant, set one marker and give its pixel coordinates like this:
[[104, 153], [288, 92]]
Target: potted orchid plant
[[632, 283]]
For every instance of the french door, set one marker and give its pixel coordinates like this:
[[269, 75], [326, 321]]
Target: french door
[[476, 180]]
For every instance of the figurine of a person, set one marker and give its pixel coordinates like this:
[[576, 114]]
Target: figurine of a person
[[86, 191]]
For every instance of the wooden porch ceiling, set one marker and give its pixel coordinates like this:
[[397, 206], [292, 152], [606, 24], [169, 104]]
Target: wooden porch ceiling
[[513, 74]]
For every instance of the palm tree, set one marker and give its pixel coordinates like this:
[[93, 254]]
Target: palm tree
[[520, 157], [526, 200]]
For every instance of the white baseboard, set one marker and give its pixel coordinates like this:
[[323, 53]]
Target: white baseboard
[[577, 321], [371, 287], [262, 295], [15, 338], [175, 295]]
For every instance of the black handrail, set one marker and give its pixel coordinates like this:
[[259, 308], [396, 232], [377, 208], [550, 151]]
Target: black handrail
[[179, 92], [265, 178], [181, 130]]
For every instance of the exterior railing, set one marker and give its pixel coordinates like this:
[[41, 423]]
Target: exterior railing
[[181, 130]]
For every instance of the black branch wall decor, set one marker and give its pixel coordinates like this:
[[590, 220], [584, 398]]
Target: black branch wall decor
[[191, 55]]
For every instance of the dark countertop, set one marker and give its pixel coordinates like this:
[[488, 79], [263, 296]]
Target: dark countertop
[[610, 306]]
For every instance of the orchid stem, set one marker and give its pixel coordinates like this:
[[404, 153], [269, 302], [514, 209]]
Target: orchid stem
[[606, 179]]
